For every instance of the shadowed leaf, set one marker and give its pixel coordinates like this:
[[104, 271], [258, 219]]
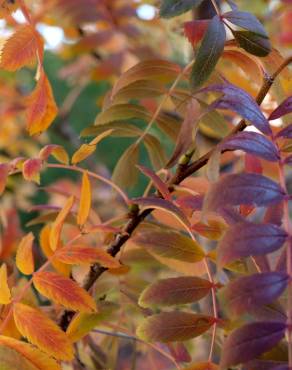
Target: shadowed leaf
[[253, 43], [247, 21], [126, 173]]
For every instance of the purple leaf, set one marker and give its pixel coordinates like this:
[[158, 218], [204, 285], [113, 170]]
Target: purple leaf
[[249, 239], [266, 365], [288, 160], [158, 183], [193, 202], [231, 216], [248, 342], [283, 109], [209, 52], [271, 312], [252, 143], [239, 101], [285, 132], [247, 21], [247, 292], [253, 43], [245, 188]]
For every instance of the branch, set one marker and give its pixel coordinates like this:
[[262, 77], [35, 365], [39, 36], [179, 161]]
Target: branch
[[183, 171]]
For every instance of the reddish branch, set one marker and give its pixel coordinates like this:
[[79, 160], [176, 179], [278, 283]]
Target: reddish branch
[[182, 172]]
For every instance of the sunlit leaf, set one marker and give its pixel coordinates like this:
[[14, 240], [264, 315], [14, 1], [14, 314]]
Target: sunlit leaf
[[57, 226], [4, 172], [10, 359], [32, 324], [36, 357], [64, 291], [82, 254], [24, 255], [169, 244], [174, 326], [85, 200], [174, 291], [57, 151], [41, 107], [21, 48], [31, 169], [5, 295]]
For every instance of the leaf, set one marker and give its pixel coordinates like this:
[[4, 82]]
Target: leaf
[[82, 254], [284, 108], [202, 366], [155, 151], [153, 70], [244, 188], [46, 248], [4, 173], [245, 293], [252, 143], [21, 48], [32, 324], [209, 52], [173, 291], [125, 173], [122, 112], [158, 183], [139, 90], [10, 359], [247, 21], [64, 291], [57, 151], [87, 149], [245, 239], [5, 295], [85, 201], [38, 358], [169, 244], [253, 43], [212, 123], [174, 326], [24, 255], [83, 323], [57, 226], [195, 30], [172, 8], [250, 341], [239, 101], [162, 204], [41, 107], [31, 170], [186, 135]]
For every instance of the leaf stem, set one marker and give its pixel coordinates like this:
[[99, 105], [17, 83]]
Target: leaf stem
[[93, 175], [216, 7]]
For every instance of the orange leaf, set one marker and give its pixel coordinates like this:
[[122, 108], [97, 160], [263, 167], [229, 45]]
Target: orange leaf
[[41, 107], [31, 170], [7, 7], [55, 233], [45, 245], [21, 48], [24, 255], [42, 331], [56, 151], [4, 172], [85, 200], [79, 254], [38, 358], [64, 291], [5, 295]]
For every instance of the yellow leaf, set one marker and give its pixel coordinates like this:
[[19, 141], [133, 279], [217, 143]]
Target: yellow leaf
[[24, 255], [41, 107], [56, 229], [38, 358], [5, 295], [42, 332], [56, 151], [45, 245], [85, 201], [64, 291], [21, 48], [202, 366], [87, 149]]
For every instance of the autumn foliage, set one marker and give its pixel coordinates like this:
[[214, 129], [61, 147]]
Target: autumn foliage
[[156, 235]]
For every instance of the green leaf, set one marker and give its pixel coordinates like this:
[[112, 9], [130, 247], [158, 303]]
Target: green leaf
[[209, 52], [174, 326], [173, 291], [126, 173], [169, 244], [253, 43], [172, 8]]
